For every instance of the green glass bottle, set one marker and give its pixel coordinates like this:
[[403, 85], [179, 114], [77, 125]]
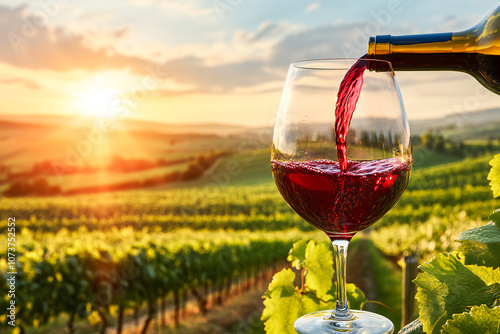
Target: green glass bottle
[[475, 51]]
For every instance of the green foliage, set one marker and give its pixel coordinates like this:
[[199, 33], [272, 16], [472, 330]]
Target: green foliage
[[236, 208], [135, 247], [425, 240], [495, 217], [319, 266], [446, 286], [481, 245], [494, 175], [297, 255], [459, 292], [451, 283], [80, 272], [480, 319], [355, 297], [440, 202], [284, 302]]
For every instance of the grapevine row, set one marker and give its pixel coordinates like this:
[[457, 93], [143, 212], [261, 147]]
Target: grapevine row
[[441, 203], [252, 200], [81, 273], [425, 239], [169, 222]]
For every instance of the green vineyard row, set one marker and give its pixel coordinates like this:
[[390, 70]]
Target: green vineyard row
[[251, 200], [426, 239], [435, 210], [169, 222], [78, 273], [471, 171]]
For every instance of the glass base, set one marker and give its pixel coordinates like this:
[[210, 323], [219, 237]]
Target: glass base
[[363, 322]]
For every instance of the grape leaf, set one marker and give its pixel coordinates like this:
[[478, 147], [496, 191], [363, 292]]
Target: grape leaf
[[283, 304], [481, 245], [495, 217], [446, 286], [319, 264], [480, 319], [494, 175], [355, 297], [297, 254], [488, 275]]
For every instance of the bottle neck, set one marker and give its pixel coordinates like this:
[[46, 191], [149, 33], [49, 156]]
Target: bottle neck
[[443, 51]]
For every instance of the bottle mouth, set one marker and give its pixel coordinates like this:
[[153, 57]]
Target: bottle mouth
[[379, 45]]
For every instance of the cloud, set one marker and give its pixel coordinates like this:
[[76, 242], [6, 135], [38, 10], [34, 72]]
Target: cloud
[[251, 59], [312, 7], [121, 32], [56, 49], [265, 29], [257, 57], [21, 81], [30, 44], [320, 42], [219, 78]]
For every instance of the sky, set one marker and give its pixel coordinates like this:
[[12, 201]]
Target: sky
[[209, 61]]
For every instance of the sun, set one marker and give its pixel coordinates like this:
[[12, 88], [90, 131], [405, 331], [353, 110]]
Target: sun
[[96, 101]]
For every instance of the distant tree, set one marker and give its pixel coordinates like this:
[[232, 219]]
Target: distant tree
[[428, 139], [382, 139], [172, 177], [18, 188], [439, 143], [39, 187], [489, 144], [193, 171], [390, 138], [365, 138], [461, 148]]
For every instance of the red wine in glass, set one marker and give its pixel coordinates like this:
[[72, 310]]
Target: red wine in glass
[[340, 202], [344, 197]]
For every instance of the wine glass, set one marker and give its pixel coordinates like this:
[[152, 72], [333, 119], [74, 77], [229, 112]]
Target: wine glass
[[341, 201]]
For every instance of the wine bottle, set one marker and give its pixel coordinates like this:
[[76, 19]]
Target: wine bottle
[[475, 51]]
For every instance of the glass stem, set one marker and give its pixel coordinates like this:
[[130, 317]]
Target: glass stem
[[341, 311]]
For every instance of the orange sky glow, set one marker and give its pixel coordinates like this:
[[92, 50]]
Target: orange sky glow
[[191, 63]]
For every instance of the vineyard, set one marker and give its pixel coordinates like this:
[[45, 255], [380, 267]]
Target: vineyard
[[440, 203], [105, 255], [85, 272]]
